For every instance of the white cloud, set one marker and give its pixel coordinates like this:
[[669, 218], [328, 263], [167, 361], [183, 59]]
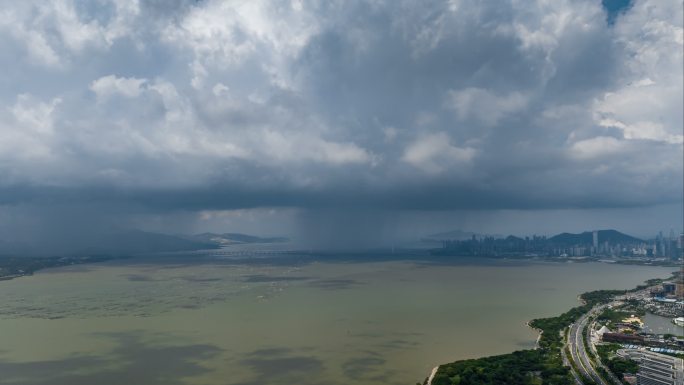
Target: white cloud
[[390, 133], [643, 130], [40, 52], [303, 148], [600, 146], [27, 131], [485, 106], [74, 33], [53, 33], [226, 35], [289, 95], [109, 85], [434, 153], [649, 100]]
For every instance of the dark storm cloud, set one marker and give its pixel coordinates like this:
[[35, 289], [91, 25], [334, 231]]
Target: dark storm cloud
[[210, 105]]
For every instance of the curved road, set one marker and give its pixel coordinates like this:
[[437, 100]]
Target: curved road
[[577, 350], [612, 376], [573, 342], [566, 362]]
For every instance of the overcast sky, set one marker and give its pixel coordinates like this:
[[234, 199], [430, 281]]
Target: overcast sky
[[299, 117]]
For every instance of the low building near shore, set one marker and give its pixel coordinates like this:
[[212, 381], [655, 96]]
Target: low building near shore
[[655, 368], [629, 378], [622, 338]]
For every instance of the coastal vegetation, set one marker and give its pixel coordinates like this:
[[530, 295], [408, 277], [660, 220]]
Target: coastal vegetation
[[617, 365], [13, 267], [543, 365], [611, 317], [521, 367]]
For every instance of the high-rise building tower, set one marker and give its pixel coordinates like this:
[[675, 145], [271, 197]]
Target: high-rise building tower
[[660, 245], [679, 291], [595, 239]]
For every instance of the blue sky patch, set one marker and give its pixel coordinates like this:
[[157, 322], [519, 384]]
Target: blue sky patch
[[614, 8]]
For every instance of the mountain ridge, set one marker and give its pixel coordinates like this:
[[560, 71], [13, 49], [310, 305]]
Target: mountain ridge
[[564, 238], [233, 238], [587, 237]]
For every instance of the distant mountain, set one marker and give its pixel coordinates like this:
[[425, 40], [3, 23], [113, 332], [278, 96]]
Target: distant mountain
[[136, 241], [125, 242], [587, 237], [232, 238], [513, 238]]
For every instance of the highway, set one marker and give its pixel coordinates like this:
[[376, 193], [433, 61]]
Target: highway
[[577, 350], [574, 351], [578, 353], [612, 376], [566, 362]]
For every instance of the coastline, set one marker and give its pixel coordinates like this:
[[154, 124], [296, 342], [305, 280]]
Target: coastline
[[588, 299], [536, 346], [432, 375], [539, 333], [17, 267], [10, 277]]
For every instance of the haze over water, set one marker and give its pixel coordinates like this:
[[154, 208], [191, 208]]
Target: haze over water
[[213, 320]]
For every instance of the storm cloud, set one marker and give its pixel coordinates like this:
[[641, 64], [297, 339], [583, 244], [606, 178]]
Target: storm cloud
[[204, 106]]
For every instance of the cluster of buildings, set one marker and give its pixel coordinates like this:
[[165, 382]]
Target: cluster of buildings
[[667, 299], [658, 355], [654, 368], [651, 341], [670, 248], [492, 247], [661, 247], [600, 243], [655, 355]]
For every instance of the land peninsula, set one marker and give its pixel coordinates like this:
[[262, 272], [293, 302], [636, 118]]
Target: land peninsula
[[561, 356]]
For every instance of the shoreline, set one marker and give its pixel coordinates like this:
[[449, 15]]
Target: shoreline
[[539, 334], [10, 277], [580, 299], [432, 375], [18, 267], [536, 346]]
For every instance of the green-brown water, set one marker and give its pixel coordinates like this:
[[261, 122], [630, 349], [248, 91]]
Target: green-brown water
[[661, 325], [216, 321]]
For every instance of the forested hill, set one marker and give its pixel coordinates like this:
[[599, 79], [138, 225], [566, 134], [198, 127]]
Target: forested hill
[[610, 236]]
